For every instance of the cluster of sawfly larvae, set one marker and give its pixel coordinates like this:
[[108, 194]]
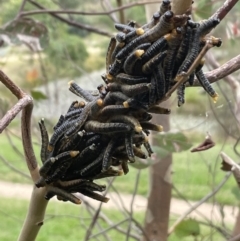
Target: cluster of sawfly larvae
[[99, 136]]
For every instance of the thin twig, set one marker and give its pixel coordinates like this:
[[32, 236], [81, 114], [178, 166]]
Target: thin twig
[[132, 202], [14, 147], [134, 220], [107, 220], [91, 212], [74, 23], [195, 206], [48, 11], [109, 228], [14, 168], [21, 8], [224, 9], [109, 6], [95, 217]]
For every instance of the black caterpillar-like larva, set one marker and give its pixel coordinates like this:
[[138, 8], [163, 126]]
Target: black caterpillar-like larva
[[98, 138]]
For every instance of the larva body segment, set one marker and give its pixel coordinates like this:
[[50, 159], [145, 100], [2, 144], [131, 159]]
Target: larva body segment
[[59, 132], [94, 195], [124, 28], [183, 49], [181, 94], [115, 68], [132, 90], [169, 63], [111, 47], [159, 110], [163, 27], [139, 153], [114, 97], [202, 30], [131, 60], [97, 163], [77, 90], [154, 49], [151, 126], [98, 127], [133, 34], [165, 6], [148, 148], [191, 79], [130, 120], [206, 85], [60, 121], [72, 114], [153, 63], [94, 140], [81, 119], [110, 110], [125, 168], [131, 79], [120, 37], [106, 162], [129, 147], [45, 141], [157, 90], [155, 19], [115, 52]]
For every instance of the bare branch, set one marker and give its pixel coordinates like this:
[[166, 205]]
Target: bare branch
[[121, 12], [74, 23], [35, 216], [132, 202], [15, 148], [11, 114], [21, 8], [224, 70], [106, 4], [236, 238], [224, 9], [230, 165], [48, 11]]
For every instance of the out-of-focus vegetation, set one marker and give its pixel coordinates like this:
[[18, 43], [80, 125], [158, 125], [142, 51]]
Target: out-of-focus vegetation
[[66, 220]]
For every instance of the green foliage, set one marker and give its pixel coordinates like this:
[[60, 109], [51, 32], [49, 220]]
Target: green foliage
[[38, 95], [67, 220], [65, 51], [236, 192], [203, 9], [188, 227]]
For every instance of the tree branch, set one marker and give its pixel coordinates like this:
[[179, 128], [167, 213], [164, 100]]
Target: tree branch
[[224, 9], [223, 71], [48, 11], [74, 23]]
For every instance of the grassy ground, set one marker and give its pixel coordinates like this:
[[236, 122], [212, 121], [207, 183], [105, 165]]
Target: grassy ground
[[68, 220]]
